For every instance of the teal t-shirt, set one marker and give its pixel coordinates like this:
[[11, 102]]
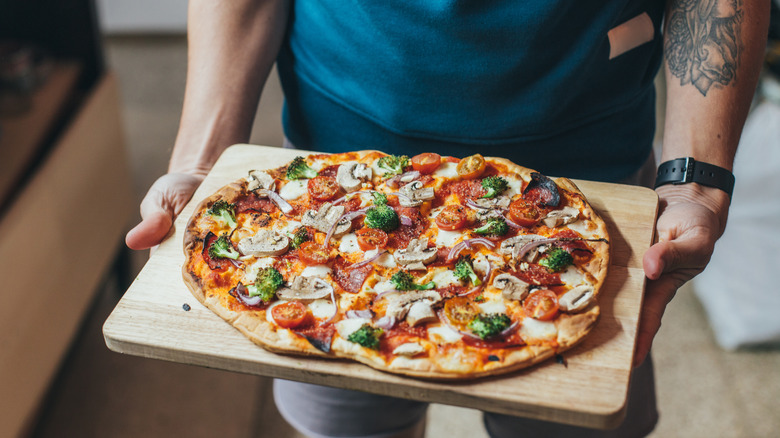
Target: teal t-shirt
[[527, 80]]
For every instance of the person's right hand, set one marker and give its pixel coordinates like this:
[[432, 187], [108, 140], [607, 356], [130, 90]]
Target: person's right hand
[[162, 203]]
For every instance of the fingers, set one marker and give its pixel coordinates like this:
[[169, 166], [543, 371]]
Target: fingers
[[690, 251], [658, 294]]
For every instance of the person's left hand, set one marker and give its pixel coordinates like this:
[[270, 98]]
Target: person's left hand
[[690, 220]]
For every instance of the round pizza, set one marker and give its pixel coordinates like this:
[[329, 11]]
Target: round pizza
[[430, 266]]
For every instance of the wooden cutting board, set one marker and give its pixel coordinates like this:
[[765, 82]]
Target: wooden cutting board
[[151, 320]]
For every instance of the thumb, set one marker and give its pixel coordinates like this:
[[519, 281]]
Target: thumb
[[685, 252], [151, 231]]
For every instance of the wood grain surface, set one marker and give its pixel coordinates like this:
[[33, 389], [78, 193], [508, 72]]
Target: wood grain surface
[[590, 390]]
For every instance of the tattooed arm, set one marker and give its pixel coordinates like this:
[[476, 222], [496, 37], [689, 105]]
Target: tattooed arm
[[713, 51]]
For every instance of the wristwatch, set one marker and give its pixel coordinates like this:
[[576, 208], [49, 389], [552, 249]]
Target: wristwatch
[[687, 170]]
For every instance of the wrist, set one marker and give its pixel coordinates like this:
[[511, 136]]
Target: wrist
[[713, 199], [687, 170]]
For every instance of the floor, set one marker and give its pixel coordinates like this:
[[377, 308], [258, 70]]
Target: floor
[[702, 390]]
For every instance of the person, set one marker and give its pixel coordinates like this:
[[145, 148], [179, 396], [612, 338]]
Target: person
[[562, 87]]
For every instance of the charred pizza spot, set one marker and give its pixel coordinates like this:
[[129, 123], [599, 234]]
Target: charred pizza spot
[[493, 358], [548, 190], [186, 307], [561, 360]]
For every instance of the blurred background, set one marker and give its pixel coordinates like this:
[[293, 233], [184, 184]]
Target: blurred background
[[90, 97]]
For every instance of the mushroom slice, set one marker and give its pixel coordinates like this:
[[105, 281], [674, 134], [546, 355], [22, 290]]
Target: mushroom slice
[[409, 349], [399, 304], [351, 175], [413, 194], [513, 287], [326, 217], [305, 288], [264, 243], [564, 216], [415, 254], [576, 299], [420, 312], [260, 180], [513, 245]]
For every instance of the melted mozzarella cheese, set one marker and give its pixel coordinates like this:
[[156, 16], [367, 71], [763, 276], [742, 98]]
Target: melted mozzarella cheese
[[448, 238], [383, 286], [287, 228], [320, 271], [492, 306], [515, 186], [447, 170], [445, 278], [322, 308], [535, 329], [386, 260], [346, 327], [252, 269], [443, 335], [586, 228], [349, 243], [573, 276], [293, 189]]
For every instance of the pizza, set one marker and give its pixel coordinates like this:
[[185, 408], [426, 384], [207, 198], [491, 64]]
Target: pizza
[[433, 267]]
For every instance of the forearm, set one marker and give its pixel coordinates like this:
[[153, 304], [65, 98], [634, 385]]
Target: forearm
[[232, 48], [713, 50]]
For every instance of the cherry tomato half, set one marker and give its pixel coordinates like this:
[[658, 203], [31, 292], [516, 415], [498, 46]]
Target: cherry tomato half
[[460, 311], [426, 162], [541, 305], [290, 315], [371, 238], [312, 253], [524, 213], [323, 188], [471, 167], [452, 217]]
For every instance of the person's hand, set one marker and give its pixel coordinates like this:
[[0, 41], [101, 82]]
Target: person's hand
[[690, 220], [162, 203]]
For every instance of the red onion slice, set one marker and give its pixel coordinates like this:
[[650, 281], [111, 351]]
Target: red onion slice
[[365, 314], [240, 294], [349, 216], [368, 260], [510, 223], [385, 322], [389, 291], [467, 244], [533, 244], [446, 322], [405, 220], [470, 291], [283, 205], [509, 330], [473, 204], [406, 177]]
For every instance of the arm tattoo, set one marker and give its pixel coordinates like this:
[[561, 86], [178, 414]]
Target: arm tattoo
[[703, 42]]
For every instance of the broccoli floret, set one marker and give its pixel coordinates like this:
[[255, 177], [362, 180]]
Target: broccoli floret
[[366, 336], [267, 282], [557, 260], [379, 198], [382, 217], [494, 186], [221, 248], [393, 164], [464, 271], [300, 236], [494, 226], [223, 211], [405, 281], [298, 169], [489, 326]]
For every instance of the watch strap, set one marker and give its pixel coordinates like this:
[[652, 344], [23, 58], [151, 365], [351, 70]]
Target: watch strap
[[687, 170]]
